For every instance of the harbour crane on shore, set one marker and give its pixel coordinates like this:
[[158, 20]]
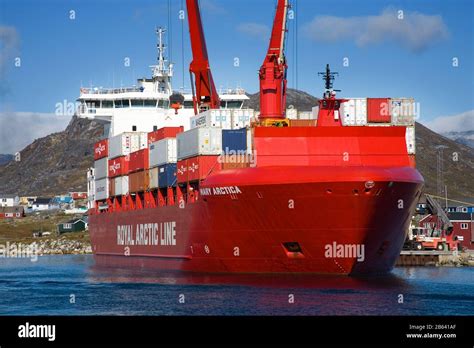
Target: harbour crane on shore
[[273, 71], [204, 90]]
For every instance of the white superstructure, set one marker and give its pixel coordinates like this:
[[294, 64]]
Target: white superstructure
[[146, 107]]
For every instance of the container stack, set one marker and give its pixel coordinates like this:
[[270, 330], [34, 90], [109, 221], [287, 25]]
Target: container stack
[[101, 183], [163, 155]]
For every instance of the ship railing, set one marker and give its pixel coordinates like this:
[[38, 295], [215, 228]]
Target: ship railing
[[111, 90]]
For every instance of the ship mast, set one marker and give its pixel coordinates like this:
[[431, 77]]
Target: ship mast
[[162, 71]]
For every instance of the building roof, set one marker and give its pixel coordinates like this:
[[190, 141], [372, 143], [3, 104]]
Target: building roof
[[459, 216], [42, 200]]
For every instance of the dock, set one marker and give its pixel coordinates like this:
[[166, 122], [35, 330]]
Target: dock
[[428, 258]]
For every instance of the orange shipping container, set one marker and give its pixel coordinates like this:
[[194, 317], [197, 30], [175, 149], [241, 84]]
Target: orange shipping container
[[112, 187], [139, 181], [165, 132]]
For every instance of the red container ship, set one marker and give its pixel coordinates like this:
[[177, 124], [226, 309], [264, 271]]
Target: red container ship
[[324, 195]]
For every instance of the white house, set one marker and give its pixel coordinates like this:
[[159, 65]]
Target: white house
[[42, 204], [7, 200]]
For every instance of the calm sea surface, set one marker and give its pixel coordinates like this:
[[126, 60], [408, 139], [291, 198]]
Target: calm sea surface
[[48, 286]]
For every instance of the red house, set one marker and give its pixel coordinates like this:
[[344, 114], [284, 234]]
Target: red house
[[463, 226], [16, 212]]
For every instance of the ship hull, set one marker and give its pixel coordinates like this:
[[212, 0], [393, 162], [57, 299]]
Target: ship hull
[[338, 220]]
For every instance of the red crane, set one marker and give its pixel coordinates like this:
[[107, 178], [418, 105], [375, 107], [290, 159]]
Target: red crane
[[273, 71], [205, 95]]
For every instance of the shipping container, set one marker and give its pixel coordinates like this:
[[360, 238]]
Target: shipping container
[[163, 151], [100, 168], [201, 141], [235, 162], [126, 143], [167, 175], [165, 132], [139, 160], [241, 118], [154, 178], [213, 118], [101, 149], [303, 123], [305, 115], [139, 181], [410, 139], [201, 167], [182, 171], [234, 140], [378, 110], [101, 189], [112, 187], [354, 112], [121, 185], [403, 111], [119, 166]]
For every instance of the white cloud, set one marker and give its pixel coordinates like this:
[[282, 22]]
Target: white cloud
[[256, 30], [454, 123], [415, 32], [19, 129]]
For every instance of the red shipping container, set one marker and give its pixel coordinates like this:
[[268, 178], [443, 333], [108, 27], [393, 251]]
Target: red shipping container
[[101, 149], [378, 110], [119, 166], [201, 166], [182, 171], [139, 160], [165, 132]]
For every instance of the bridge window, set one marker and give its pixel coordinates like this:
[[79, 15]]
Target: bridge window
[[93, 103], [107, 104], [234, 104], [149, 103], [188, 104], [137, 103]]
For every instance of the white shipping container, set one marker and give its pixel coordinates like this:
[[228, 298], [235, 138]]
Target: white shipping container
[[354, 112], [410, 139], [403, 111], [125, 143], [213, 118], [101, 168], [139, 141], [101, 189], [315, 112], [305, 115], [241, 118], [154, 177], [163, 151], [121, 185], [199, 141]]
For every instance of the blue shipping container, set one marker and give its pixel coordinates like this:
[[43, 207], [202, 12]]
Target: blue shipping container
[[234, 140], [167, 175]]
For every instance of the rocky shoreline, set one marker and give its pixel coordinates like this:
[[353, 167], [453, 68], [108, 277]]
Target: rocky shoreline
[[61, 246]]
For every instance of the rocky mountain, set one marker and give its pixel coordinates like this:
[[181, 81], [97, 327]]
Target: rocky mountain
[[54, 164], [464, 138], [57, 163], [299, 99], [4, 159]]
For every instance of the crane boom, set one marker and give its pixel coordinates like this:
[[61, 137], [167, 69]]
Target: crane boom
[[205, 93], [273, 70]]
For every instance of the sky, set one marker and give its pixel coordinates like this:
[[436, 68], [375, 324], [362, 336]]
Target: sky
[[411, 48]]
